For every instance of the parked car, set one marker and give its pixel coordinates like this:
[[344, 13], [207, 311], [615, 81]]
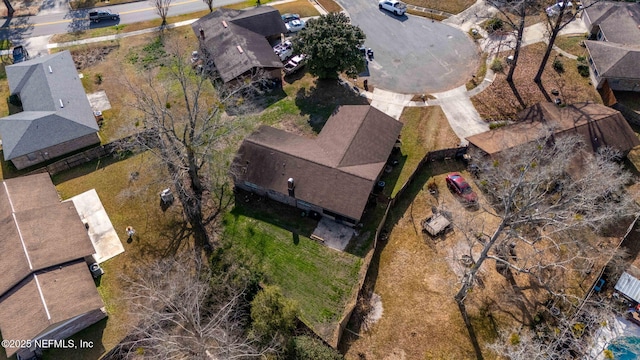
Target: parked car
[[459, 186], [99, 15], [284, 50], [20, 54], [295, 25], [294, 64], [554, 9], [395, 6], [289, 17]]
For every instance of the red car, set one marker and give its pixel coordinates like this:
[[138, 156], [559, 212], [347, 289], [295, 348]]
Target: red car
[[458, 185]]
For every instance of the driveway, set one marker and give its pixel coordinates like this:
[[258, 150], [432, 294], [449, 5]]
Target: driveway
[[413, 55]]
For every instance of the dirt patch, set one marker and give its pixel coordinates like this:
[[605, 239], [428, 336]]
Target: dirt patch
[[500, 101], [84, 58], [22, 8], [375, 311]]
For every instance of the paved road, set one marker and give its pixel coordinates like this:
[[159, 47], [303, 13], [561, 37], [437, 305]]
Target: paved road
[[413, 54], [61, 19]]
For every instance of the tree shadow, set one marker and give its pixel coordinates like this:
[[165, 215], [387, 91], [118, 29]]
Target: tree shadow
[[17, 29], [322, 99], [273, 212]]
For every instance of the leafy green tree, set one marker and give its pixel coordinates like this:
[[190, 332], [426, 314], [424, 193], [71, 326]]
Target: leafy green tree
[[331, 44], [273, 316]]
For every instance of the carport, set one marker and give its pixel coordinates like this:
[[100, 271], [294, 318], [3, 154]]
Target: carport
[[629, 286]]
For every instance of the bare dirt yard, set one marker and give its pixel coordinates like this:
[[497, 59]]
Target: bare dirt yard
[[500, 101]]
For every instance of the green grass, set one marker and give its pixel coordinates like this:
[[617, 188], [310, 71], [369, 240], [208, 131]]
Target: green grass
[[572, 44], [425, 129], [480, 73], [318, 278]]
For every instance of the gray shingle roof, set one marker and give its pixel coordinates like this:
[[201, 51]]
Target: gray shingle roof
[[43, 84], [618, 21], [246, 29], [615, 60]]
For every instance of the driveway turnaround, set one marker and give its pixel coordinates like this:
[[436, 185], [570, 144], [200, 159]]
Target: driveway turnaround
[[412, 54]]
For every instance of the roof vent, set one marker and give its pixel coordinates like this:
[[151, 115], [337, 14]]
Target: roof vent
[[50, 70], [61, 103], [240, 49], [224, 23]]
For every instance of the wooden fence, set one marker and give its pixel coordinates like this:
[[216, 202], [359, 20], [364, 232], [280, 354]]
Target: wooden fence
[[430, 157]]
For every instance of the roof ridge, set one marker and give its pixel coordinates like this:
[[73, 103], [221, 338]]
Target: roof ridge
[[304, 158]]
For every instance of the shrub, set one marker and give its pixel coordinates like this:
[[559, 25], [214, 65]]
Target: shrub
[[308, 348], [497, 124], [98, 78], [583, 70], [581, 59], [273, 316], [558, 65], [496, 65], [494, 24]]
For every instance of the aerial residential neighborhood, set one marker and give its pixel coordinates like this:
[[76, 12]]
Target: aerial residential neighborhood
[[324, 179]]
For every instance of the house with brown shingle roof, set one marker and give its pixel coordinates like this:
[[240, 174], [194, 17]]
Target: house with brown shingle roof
[[615, 52], [332, 175], [46, 289], [238, 41], [597, 124]]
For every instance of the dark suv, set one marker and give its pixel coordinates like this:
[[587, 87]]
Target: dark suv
[[99, 15]]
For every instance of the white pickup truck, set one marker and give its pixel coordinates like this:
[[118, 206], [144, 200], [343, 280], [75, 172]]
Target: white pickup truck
[[395, 6]]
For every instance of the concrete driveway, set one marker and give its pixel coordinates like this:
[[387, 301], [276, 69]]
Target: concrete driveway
[[413, 55]]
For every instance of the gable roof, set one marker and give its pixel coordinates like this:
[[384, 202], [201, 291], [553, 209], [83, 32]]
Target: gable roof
[[45, 279], [236, 39], [38, 231], [615, 60], [55, 106], [618, 21], [46, 298], [336, 171], [597, 124]]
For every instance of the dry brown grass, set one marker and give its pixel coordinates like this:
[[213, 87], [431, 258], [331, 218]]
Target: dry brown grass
[[450, 6], [330, 5], [300, 7], [416, 281], [498, 101], [126, 200]]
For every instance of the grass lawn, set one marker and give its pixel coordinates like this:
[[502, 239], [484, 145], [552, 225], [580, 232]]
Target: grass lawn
[[124, 28], [572, 44], [129, 192], [300, 7], [330, 5], [425, 129], [450, 6], [499, 102], [319, 279]]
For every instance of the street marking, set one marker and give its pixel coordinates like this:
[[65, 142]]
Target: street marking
[[22, 26]]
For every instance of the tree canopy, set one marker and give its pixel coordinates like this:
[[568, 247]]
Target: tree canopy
[[331, 45]]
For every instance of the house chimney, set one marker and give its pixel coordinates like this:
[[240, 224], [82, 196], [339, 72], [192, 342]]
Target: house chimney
[[291, 187]]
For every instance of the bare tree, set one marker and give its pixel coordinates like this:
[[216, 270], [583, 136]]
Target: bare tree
[[10, 9], [183, 311], [515, 13], [186, 127], [162, 9], [547, 195], [560, 336], [209, 4], [556, 24]]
